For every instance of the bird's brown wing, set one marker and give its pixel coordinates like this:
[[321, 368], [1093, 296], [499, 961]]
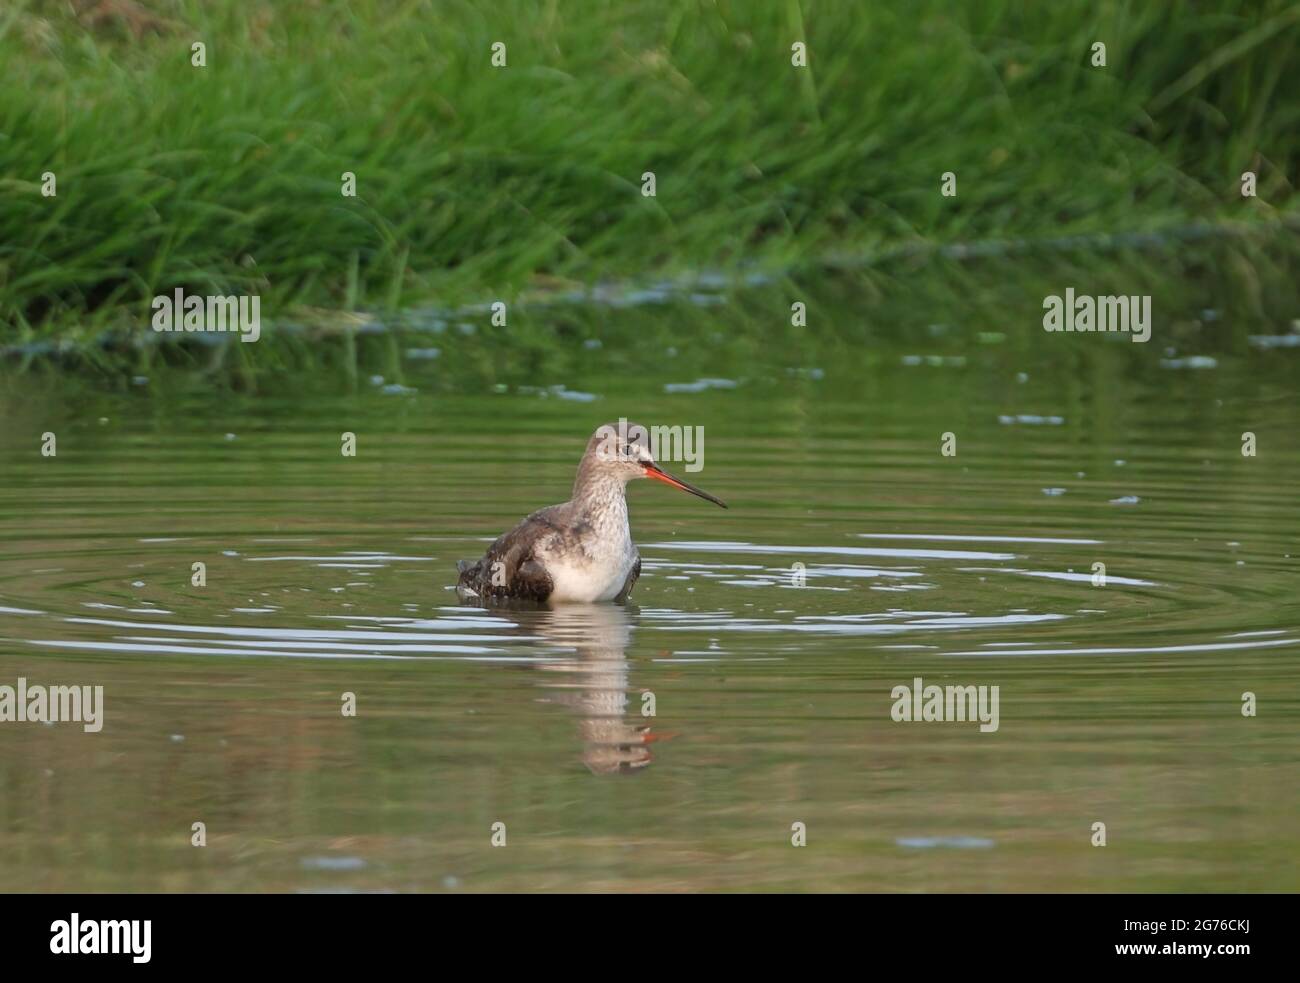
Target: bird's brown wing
[[510, 567]]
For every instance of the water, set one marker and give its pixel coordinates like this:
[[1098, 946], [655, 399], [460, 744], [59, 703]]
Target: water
[[327, 575]]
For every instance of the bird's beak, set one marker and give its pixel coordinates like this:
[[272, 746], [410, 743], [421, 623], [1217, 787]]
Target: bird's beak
[[659, 474]]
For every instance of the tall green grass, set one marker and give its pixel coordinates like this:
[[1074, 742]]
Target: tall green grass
[[476, 182]]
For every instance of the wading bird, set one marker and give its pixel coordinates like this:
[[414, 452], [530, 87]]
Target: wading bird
[[582, 550]]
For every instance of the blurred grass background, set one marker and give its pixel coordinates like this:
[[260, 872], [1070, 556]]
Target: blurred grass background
[[477, 183]]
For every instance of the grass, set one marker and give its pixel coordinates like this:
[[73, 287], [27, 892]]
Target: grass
[[477, 183]]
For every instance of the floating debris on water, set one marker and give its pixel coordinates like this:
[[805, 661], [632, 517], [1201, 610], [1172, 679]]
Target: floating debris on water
[[574, 395], [1032, 420], [699, 385], [1190, 362], [333, 863], [559, 391], [1275, 340], [937, 361], [950, 842]]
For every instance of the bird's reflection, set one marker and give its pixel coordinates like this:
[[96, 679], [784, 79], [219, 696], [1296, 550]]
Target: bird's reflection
[[594, 682], [592, 679]]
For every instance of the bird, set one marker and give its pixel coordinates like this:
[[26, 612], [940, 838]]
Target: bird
[[580, 551]]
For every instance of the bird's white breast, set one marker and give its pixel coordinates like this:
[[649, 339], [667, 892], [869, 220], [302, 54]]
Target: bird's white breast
[[600, 579]]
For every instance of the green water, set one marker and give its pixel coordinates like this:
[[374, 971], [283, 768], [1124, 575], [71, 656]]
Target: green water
[[1119, 704]]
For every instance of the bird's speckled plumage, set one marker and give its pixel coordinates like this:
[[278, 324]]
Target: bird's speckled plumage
[[580, 550]]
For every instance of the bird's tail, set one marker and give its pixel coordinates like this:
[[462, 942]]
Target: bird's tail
[[467, 582]]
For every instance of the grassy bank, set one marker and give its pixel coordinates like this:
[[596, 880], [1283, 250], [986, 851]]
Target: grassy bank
[[475, 182]]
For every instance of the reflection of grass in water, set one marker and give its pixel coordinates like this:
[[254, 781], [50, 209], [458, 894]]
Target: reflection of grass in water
[[475, 182], [972, 308]]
